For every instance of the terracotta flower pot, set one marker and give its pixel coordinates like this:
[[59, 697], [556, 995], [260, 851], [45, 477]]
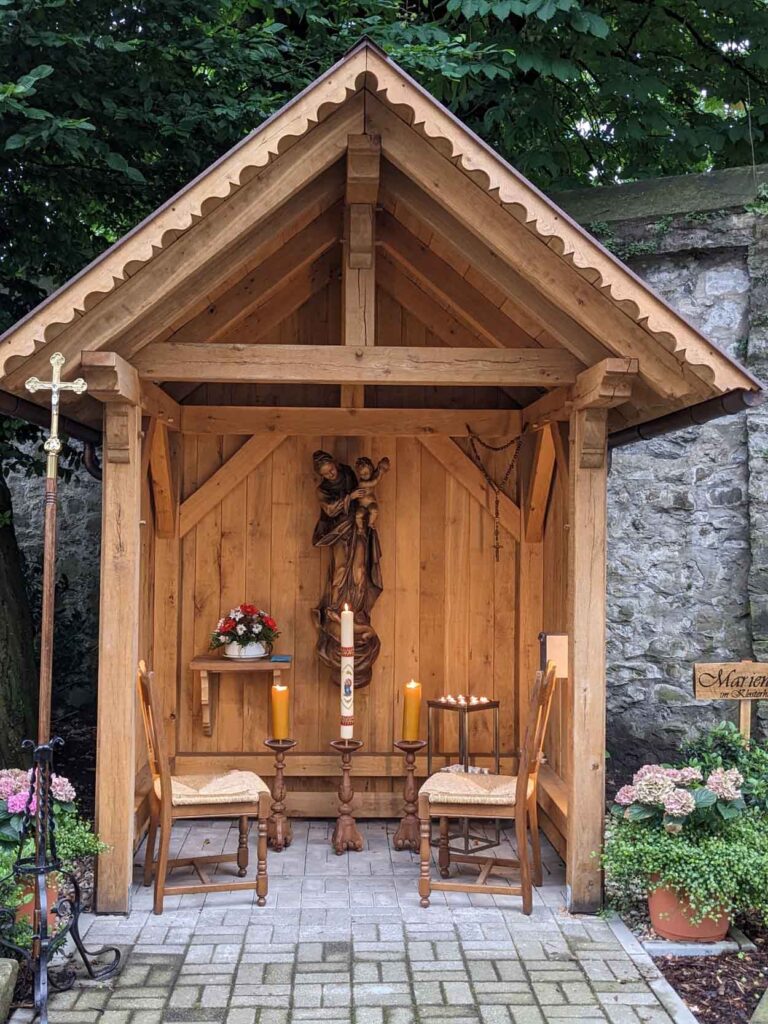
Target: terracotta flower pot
[[671, 918], [25, 912]]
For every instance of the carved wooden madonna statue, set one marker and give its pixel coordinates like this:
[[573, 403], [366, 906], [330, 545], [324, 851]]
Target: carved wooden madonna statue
[[347, 526]]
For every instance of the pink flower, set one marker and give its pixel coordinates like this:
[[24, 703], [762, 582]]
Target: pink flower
[[17, 803], [680, 803], [684, 776], [626, 796], [652, 784], [62, 789], [13, 780], [726, 785]]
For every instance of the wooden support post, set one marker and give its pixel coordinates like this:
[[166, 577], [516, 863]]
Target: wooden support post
[[530, 604], [586, 596], [359, 264], [118, 658]]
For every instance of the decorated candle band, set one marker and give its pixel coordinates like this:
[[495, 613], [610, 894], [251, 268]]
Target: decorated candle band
[[347, 652]]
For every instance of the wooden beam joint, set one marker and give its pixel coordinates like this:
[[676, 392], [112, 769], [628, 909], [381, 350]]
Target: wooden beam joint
[[110, 377], [606, 384]]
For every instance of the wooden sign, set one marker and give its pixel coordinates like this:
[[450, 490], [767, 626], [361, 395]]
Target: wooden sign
[[739, 680]]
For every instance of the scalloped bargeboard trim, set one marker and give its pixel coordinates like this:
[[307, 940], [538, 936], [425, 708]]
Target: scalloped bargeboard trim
[[367, 65]]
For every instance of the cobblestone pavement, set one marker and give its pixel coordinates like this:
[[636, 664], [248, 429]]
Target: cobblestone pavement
[[344, 939]]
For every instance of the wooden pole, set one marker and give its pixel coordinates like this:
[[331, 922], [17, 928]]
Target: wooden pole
[[118, 653], [745, 719], [586, 597]]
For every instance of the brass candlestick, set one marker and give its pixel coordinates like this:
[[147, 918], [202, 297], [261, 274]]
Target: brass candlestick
[[345, 834], [279, 831], [407, 835]]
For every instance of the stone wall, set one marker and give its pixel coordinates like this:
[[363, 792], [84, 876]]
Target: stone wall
[[688, 550], [688, 513]]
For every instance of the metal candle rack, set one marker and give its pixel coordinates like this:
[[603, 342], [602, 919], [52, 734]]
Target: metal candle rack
[[464, 707]]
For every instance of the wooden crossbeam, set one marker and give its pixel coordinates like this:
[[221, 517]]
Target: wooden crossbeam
[[399, 192], [154, 297], [341, 364], [332, 422], [460, 466], [515, 245], [264, 282], [218, 486], [447, 287], [436, 314], [550, 408], [293, 293], [537, 496], [159, 405], [161, 474]]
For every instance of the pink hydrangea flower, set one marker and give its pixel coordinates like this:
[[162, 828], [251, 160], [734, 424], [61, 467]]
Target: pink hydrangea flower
[[680, 803], [653, 788], [684, 776], [13, 780], [17, 803], [726, 784], [62, 789], [626, 796]]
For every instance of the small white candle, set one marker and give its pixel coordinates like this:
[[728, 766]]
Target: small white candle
[[347, 673]]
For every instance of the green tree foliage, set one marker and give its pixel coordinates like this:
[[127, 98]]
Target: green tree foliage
[[109, 107]]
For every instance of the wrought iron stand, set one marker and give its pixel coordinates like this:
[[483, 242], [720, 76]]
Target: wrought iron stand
[[50, 924]]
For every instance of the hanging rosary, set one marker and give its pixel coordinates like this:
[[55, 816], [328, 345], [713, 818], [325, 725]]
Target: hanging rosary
[[474, 441]]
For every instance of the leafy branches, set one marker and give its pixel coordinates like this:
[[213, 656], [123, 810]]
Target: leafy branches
[[109, 108]]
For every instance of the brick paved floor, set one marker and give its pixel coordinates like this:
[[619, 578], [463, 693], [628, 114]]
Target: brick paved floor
[[344, 939]]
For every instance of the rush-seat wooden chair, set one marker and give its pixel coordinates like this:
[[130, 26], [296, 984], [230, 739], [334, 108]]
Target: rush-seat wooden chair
[[458, 795], [233, 794]]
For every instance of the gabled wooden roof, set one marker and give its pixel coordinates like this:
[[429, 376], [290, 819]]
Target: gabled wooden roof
[[451, 206]]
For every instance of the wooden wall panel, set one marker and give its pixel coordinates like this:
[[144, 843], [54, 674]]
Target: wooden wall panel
[[446, 615]]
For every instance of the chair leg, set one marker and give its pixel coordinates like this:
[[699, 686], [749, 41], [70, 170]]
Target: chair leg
[[262, 881], [242, 847], [425, 851], [521, 835], [161, 870], [533, 819], [149, 853], [444, 853]]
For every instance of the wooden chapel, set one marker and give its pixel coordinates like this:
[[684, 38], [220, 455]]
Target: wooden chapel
[[360, 274]]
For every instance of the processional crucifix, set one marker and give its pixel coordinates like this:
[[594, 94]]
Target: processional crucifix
[[38, 823]]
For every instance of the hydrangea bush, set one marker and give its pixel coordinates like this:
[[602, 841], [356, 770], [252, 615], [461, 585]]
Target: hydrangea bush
[[688, 830], [74, 837], [678, 797]]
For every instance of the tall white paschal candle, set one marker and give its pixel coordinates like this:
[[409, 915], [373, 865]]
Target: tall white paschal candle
[[347, 673]]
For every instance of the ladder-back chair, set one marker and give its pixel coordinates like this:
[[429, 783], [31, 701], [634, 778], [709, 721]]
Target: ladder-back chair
[[234, 794], [448, 795]]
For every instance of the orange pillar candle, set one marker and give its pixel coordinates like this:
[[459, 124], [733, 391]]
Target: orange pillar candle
[[411, 710], [280, 697]]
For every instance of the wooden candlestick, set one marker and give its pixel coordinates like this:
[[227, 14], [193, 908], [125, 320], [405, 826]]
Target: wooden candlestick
[[407, 835], [345, 835], [279, 831]]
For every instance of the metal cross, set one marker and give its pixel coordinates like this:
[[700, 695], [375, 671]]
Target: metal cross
[[52, 445]]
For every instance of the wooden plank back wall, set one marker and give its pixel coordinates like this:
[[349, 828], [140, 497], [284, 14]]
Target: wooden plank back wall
[[555, 615], [446, 615]]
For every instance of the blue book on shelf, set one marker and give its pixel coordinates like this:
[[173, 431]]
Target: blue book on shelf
[[280, 657]]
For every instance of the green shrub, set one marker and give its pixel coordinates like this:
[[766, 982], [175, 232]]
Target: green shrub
[[723, 746], [723, 869]]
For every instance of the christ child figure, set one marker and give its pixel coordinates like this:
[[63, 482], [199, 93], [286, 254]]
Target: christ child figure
[[368, 478]]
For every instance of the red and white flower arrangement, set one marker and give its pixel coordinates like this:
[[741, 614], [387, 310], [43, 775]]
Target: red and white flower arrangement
[[245, 625]]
